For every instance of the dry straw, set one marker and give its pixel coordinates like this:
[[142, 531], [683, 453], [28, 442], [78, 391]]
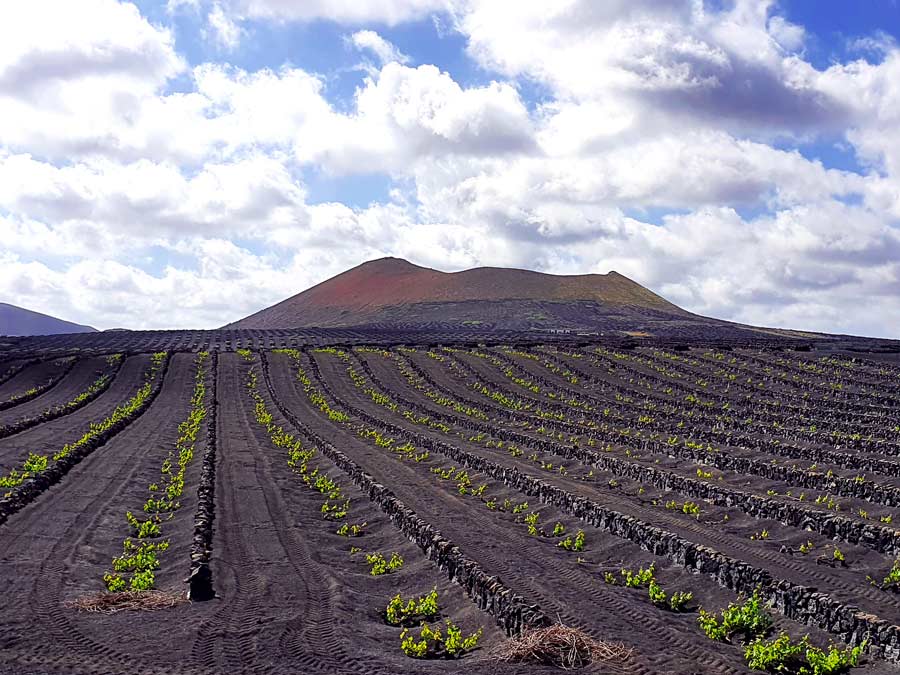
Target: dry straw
[[559, 646], [107, 603]]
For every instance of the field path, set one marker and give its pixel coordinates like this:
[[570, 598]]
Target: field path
[[275, 612]]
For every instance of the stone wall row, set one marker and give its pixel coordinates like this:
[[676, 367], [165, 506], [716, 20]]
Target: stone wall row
[[796, 602], [838, 485], [875, 536], [489, 593], [200, 580], [57, 411], [39, 391], [32, 488], [16, 369]]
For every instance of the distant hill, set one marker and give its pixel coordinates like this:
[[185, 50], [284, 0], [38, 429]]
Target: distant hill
[[18, 321], [394, 293]]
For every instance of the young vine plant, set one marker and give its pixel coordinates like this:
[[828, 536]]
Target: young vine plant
[[135, 569]]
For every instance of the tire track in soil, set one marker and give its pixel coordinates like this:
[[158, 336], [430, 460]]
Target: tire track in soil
[[240, 586], [90, 493], [530, 567], [251, 519]]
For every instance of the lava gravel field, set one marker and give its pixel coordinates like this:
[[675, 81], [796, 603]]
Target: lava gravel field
[[254, 508]]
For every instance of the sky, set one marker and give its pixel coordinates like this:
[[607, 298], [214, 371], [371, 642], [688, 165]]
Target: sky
[[184, 163]]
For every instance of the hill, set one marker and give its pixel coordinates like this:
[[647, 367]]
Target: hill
[[17, 321], [395, 293]]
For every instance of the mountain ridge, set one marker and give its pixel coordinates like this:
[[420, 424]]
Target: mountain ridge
[[396, 292], [18, 321]]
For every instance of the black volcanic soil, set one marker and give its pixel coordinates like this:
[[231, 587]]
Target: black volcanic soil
[[293, 599], [671, 333], [731, 538], [82, 375], [52, 436], [36, 375]]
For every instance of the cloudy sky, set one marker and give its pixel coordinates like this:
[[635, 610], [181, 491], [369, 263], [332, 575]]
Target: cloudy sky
[[184, 163]]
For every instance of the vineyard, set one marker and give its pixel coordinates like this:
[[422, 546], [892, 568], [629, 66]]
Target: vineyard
[[273, 503]]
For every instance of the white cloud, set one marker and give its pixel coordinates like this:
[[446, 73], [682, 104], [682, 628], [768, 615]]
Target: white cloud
[[225, 31], [173, 6], [400, 113], [68, 85], [408, 113], [111, 294], [667, 172], [789, 36], [389, 12], [873, 93], [41, 59], [119, 192], [223, 281], [143, 202], [381, 48], [877, 44], [723, 69]]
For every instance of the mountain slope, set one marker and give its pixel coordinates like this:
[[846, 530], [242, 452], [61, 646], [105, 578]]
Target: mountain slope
[[392, 281], [394, 292], [18, 321]]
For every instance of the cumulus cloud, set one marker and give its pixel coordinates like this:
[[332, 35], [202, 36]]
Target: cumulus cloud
[[223, 29], [405, 114], [546, 196], [389, 12], [878, 44], [725, 67], [873, 92], [148, 201], [369, 40], [666, 141], [801, 266], [94, 39], [115, 294], [399, 113], [65, 83]]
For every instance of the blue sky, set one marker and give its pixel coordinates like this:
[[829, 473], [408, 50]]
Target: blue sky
[[834, 26], [739, 157]]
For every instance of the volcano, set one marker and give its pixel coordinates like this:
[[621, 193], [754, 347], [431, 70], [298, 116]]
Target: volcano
[[394, 293]]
